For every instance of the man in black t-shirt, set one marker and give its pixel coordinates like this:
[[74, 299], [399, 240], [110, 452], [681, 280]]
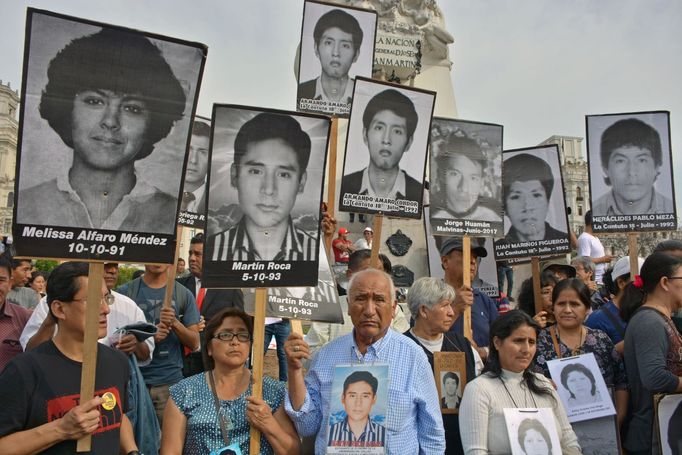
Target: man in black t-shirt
[[40, 389]]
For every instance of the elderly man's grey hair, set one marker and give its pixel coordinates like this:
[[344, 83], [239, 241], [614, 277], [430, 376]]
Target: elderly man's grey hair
[[356, 276], [428, 292], [585, 262]]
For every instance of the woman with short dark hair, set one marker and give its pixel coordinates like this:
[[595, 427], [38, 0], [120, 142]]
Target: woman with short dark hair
[[212, 410]]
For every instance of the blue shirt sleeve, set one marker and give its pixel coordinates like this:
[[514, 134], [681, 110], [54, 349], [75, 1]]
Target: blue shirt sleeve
[[191, 315]]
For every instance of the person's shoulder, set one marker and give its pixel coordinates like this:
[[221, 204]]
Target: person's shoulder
[[600, 206], [307, 89], [122, 300], [413, 187], [273, 387], [400, 341], [186, 281], [18, 310], [553, 233], [45, 189], [352, 182], [110, 355], [189, 383]]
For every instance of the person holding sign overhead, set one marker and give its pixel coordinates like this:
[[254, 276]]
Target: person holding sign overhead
[[111, 96], [271, 154]]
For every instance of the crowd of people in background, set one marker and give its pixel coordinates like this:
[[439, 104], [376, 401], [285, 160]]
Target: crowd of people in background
[[176, 379]]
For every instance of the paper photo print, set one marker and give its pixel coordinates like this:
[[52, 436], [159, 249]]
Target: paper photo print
[[265, 189], [466, 175], [581, 387], [535, 222], [358, 409], [669, 420], [193, 200], [450, 373], [337, 44], [385, 159], [103, 131], [532, 431], [631, 172], [320, 303]]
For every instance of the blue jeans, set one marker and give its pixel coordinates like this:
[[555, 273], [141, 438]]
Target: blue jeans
[[502, 272], [281, 331]]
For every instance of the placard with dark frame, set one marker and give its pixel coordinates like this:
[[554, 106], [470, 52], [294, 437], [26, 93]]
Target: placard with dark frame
[[328, 50], [193, 201], [102, 138], [387, 142], [466, 174], [630, 168], [266, 174], [536, 222]]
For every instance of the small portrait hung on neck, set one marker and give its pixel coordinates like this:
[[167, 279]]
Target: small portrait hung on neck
[[193, 201], [337, 44], [630, 167], [466, 170], [264, 193], [385, 159], [532, 431], [536, 223], [103, 134]]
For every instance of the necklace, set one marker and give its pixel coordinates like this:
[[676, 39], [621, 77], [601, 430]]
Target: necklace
[[525, 401], [578, 349]]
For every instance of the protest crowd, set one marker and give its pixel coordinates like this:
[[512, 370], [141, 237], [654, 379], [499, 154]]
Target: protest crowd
[[579, 359]]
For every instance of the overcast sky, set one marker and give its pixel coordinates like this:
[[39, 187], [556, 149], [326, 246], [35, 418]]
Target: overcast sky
[[535, 66]]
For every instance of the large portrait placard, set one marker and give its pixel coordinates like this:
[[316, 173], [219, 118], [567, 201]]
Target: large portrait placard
[[102, 138], [582, 390], [466, 174], [337, 44], [668, 422], [631, 172], [535, 222], [265, 191], [385, 160], [319, 303], [532, 430], [193, 201], [358, 410]]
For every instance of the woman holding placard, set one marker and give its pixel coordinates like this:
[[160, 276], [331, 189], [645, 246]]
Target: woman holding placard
[[431, 302], [508, 382], [527, 298], [570, 337], [653, 346], [214, 410]]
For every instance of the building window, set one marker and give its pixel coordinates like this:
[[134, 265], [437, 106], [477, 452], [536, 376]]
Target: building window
[[580, 210], [10, 199], [579, 193]]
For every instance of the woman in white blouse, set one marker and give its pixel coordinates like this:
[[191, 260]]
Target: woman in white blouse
[[507, 382]]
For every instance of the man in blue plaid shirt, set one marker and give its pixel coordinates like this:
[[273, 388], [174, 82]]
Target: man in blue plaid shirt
[[413, 423]]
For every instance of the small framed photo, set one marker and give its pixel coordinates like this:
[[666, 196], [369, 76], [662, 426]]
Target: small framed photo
[[450, 373]]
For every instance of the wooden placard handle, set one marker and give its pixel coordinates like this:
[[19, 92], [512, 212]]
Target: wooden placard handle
[[632, 251], [466, 281], [296, 326], [331, 177], [257, 354], [376, 242], [537, 285], [170, 273], [92, 309]]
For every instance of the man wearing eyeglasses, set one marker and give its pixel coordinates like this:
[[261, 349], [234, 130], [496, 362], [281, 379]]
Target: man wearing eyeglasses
[[40, 389]]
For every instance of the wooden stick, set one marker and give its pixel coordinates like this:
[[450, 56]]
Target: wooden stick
[[376, 243], [466, 281], [296, 326], [95, 280], [537, 286], [331, 176], [257, 352], [170, 273], [632, 251]]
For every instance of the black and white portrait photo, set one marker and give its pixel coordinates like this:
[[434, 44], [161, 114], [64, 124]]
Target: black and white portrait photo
[[535, 223], [265, 189], [337, 44], [466, 174], [630, 166], [104, 129], [193, 202], [532, 431], [581, 387], [450, 390], [669, 416], [385, 160]]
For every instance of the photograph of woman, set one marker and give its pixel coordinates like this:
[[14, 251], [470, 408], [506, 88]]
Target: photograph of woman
[[508, 382], [579, 381], [534, 438]]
